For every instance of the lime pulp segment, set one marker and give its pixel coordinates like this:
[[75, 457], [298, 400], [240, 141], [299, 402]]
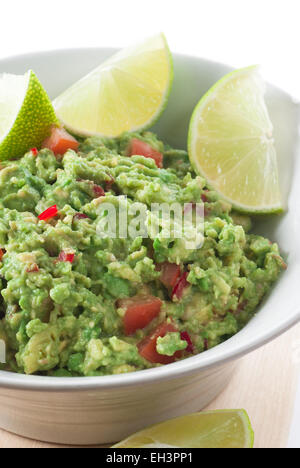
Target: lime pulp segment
[[128, 92], [231, 143], [212, 429], [26, 114]]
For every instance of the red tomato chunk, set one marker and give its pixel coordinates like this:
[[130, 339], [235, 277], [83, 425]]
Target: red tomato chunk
[[170, 274], [147, 347], [140, 311], [98, 191], [139, 147], [60, 141]]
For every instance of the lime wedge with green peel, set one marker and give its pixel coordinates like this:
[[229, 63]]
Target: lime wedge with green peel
[[213, 429], [231, 143], [26, 114], [127, 92]]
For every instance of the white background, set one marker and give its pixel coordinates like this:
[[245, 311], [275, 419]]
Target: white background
[[237, 32]]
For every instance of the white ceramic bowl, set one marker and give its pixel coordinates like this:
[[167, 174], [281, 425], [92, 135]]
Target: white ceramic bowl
[[105, 409]]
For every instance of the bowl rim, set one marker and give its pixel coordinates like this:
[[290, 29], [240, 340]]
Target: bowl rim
[[191, 365], [186, 367]]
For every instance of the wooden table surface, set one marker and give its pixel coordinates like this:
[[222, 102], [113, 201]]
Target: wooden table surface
[[264, 384]]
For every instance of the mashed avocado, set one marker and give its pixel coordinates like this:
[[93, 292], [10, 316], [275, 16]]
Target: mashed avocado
[[64, 288]]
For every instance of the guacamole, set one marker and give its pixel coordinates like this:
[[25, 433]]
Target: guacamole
[[74, 303]]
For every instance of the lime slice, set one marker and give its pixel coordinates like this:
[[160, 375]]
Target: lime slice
[[231, 143], [26, 114], [213, 429], [127, 92]]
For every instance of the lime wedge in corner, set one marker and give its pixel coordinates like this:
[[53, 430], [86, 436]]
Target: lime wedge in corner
[[26, 114], [231, 143], [212, 429], [127, 92]]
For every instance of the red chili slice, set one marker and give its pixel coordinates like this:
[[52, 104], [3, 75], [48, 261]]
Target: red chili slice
[[180, 286], [34, 151], [186, 337], [80, 216], [1, 255], [49, 213], [66, 257]]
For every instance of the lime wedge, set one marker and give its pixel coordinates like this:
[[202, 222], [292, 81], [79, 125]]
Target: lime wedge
[[213, 429], [128, 92], [26, 114], [231, 143]]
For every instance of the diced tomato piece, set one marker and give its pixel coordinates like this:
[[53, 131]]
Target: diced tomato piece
[[1, 255], [140, 311], [180, 286], [66, 257], [170, 273], [98, 191], [49, 213], [147, 347], [186, 337], [139, 147], [34, 151], [33, 268], [60, 141], [80, 216]]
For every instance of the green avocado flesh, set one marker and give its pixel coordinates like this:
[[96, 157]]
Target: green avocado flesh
[[61, 318]]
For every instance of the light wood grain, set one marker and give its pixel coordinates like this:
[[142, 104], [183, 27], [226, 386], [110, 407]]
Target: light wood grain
[[264, 384]]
